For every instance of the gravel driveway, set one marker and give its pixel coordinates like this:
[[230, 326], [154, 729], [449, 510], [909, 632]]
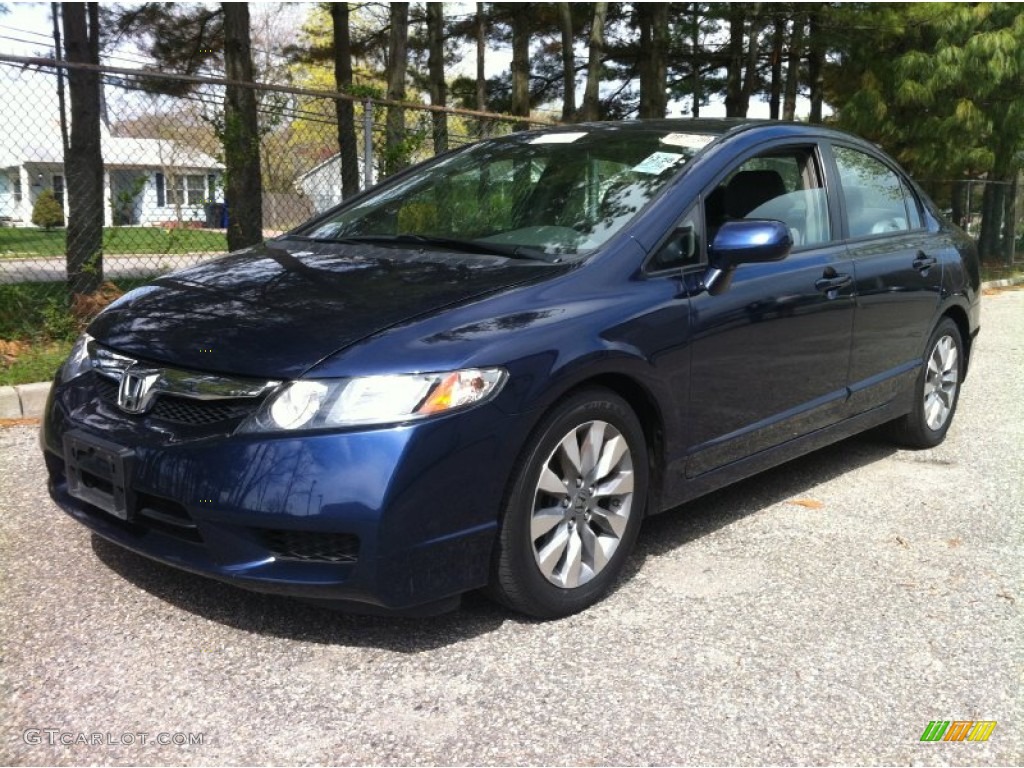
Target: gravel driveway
[[821, 613]]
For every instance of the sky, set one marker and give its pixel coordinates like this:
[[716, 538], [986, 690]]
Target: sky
[[26, 30]]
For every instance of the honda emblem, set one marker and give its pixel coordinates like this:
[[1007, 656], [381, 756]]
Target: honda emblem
[[135, 393]]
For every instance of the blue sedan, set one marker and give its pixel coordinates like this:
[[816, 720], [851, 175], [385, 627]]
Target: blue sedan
[[486, 371]]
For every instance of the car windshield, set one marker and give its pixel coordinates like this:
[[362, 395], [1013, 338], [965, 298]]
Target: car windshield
[[547, 194]]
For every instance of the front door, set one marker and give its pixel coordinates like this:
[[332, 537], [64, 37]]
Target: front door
[[770, 354]]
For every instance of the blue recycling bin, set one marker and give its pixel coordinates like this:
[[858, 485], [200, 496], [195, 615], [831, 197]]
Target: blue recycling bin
[[216, 215]]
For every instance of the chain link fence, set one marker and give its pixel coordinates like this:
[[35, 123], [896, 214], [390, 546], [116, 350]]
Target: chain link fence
[[988, 211], [163, 201], [164, 204]]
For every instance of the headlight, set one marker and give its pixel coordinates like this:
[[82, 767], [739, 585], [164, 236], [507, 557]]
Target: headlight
[[78, 361], [365, 400]]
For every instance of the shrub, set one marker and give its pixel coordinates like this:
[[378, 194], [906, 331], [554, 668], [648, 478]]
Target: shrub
[[47, 212], [58, 321]]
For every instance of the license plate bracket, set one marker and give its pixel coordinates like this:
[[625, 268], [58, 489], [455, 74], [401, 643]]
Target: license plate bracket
[[97, 473]]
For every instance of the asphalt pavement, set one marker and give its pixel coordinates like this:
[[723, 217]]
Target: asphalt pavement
[[824, 612]]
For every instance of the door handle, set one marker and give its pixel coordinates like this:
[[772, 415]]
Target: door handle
[[832, 281], [924, 262]]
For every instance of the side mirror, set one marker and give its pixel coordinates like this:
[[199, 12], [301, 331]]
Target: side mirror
[[745, 241], [749, 241]]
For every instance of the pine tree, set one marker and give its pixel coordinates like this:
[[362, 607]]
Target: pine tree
[[939, 86]]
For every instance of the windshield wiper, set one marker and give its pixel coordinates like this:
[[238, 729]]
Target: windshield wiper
[[453, 243]]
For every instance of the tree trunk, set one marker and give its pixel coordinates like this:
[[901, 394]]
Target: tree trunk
[[481, 75], [438, 88], [753, 51], [83, 160], [244, 190], [1010, 218], [796, 53], [58, 54], [521, 63], [591, 104], [695, 51], [957, 204], [653, 18], [991, 221], [568, 63], [778, 41], [395, 155], [734, 71], [345, 109], [816, 67]]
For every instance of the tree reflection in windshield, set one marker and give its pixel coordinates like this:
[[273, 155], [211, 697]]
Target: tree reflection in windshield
[[556, 192]]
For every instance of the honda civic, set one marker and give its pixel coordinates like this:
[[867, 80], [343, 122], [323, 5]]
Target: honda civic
[[486, 371]]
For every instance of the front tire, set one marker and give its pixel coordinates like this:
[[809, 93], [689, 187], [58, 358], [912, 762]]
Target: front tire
[[574, 510], [936, 391]]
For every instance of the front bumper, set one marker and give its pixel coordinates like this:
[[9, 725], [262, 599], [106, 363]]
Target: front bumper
[[395, 518]]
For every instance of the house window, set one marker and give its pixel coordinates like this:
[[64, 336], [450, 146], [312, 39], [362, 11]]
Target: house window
[[187, 189], [161, 191], [16, 188], [58, 188]]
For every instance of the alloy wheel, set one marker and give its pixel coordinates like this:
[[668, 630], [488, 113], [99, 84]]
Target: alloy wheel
[[940, 384], [582, 504]]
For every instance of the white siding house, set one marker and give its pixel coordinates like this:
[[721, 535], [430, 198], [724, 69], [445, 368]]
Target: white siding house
[[146, 181], [322, 183]]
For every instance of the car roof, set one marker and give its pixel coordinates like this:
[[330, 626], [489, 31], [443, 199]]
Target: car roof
[[717, 127]]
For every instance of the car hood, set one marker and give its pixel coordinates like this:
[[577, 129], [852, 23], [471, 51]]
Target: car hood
[[275, 310]]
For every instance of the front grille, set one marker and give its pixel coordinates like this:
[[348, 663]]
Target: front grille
[[182, 410], [312, 546], [105, 388]]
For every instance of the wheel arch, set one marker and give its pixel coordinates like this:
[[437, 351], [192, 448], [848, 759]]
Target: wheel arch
[[958, 315], [505, 585], [645, 406]]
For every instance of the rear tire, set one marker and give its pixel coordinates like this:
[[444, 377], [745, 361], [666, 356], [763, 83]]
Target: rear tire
[[936, 391], [578, 496]]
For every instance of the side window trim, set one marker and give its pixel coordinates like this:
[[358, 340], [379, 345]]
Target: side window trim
[[911, 200], [695, 212], [834, 188]]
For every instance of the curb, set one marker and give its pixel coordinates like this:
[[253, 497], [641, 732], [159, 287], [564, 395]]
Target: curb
[[24, 401], [1006, 282], [27, 401]]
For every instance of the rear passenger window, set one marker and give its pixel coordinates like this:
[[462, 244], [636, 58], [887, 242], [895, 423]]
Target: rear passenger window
[[876, 200]]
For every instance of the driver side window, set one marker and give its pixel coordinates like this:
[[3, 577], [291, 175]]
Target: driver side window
[[784, 185]]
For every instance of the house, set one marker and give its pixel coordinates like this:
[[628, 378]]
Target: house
[[146, 181], [321, 184]]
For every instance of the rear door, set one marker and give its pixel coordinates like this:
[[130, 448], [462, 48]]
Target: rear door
[[898, 276], [770, 354]]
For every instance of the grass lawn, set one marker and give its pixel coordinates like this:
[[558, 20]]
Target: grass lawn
[[24, 241], [39, 311], [35, 317], [38, 362], [1001, 271]]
